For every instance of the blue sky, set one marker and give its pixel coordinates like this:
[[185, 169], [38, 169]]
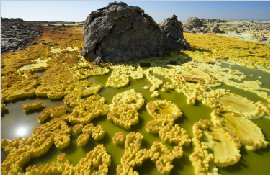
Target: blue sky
[[159, 10]]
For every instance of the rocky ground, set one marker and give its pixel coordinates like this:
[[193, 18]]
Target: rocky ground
[[16, 34], [254, 30]]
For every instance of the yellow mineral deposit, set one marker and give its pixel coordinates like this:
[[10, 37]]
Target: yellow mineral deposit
[[133, 156], [223, 145], [155, 94], [17, 86], [123, 115], [163, 157], [119, 76], [123, 110], [196, 73], [39, 64], [84, 69], [20, 151], [48, 113], [202, 160], [228, 47], [158, 153], [237, 103], [163, 109], [32, 106], [117, 80], [129, 97], [97, 132], [174, 134], [244, 129], [138, 74], [86, 88], [78, 129], [52, 85], [154, 126], [96, 161], [83, 139], [119, 138], [73, 99], [154, 81], [164, 113], [88, 109]]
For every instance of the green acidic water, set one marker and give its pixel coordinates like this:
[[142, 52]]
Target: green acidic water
[[252, 162]]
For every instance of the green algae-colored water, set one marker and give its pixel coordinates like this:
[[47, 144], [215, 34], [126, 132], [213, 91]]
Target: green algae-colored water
[[18, 124]]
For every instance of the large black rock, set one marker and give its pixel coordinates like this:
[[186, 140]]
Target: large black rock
[[193, 22], [173, 34], [119, 32], [196, 25]]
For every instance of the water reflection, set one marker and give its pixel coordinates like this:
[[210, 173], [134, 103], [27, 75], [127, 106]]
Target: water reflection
[[17, 123], [39, 73], [21, 131]]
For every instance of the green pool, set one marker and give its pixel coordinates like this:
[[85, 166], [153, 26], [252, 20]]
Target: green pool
[[18, 124]]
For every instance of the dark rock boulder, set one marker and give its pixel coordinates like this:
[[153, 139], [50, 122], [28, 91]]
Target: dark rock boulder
[[119, 32], [172, 32], [214, 29], [192, 22], [196, 25]]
